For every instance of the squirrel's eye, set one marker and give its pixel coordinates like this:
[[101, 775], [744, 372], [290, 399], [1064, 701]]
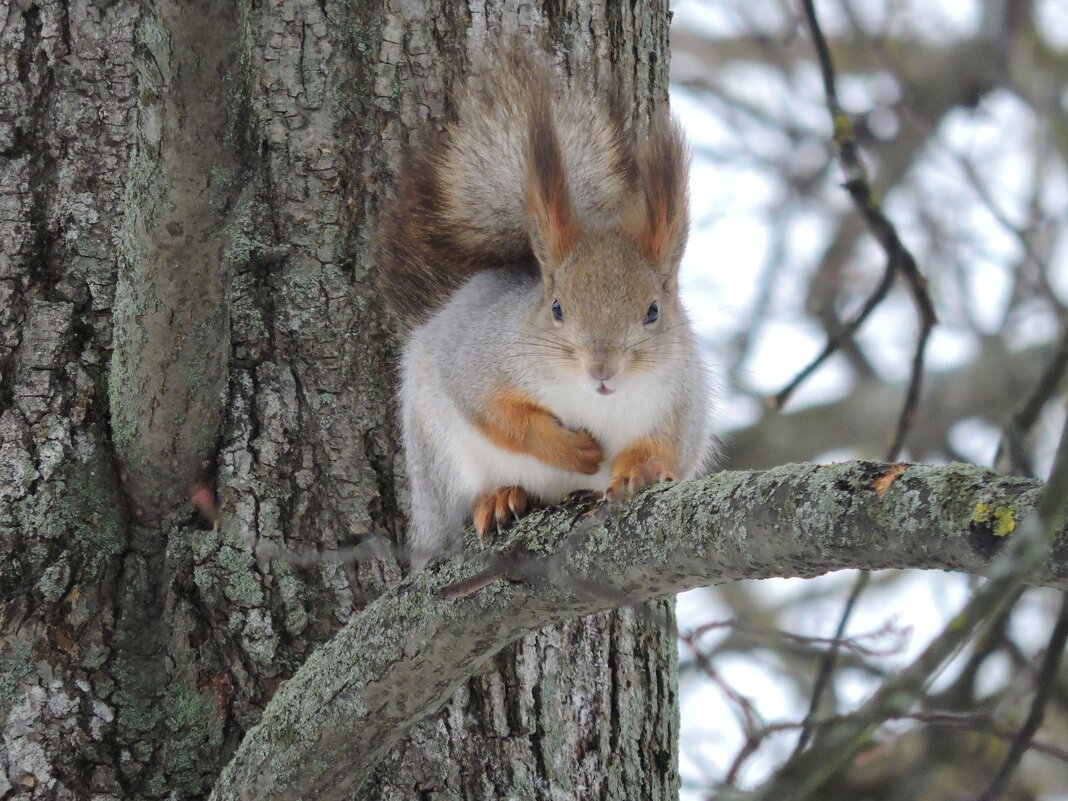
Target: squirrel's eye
[[653, 314], [558, 313]]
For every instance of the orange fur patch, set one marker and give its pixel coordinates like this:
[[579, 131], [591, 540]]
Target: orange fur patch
[[483, 513], [516, 423], [641, 464]]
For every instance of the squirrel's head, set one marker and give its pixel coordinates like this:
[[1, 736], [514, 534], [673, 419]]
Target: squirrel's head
[[606, 313], [610, 306]]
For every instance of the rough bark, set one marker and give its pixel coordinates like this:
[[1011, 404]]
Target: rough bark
[[187, 193], [329, 726], [67, 97]]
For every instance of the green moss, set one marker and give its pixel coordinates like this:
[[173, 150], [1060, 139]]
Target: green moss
[[157, 783], [180, 549], [291, 589], [94, 512], [204, 578], [151, 34], [137, 714], [241, 586], [54, 581], [243, 247], [1000, 518], [523, 788], [195, 735], [843, 127], [952, 488], [205, 543]]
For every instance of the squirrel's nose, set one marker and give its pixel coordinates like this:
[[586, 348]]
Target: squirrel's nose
[[600, 365]]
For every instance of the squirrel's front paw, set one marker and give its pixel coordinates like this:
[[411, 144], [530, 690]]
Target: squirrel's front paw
[[583, 454], [503, 506], [626, 483]]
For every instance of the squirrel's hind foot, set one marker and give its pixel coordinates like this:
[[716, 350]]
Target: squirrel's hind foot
[[501, 507]]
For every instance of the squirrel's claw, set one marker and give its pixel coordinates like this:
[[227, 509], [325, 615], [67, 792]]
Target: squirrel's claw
[[580, 496], [623, 485], [501, 507]]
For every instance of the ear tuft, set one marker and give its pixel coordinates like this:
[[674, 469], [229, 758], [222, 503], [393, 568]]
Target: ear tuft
[[659, 222], [554, 226]]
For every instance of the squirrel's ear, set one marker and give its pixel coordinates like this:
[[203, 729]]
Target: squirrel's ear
[[554, 224], [659, 219]]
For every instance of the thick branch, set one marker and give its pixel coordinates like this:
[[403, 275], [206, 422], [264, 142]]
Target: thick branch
[[402, 658], [169, 368]]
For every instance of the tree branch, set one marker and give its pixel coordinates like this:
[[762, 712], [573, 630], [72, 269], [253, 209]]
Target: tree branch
[[403, 656], [169, 368]]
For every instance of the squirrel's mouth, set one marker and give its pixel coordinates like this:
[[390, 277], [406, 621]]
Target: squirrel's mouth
[[604, 389]]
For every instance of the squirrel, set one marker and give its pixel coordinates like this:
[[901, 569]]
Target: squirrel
[[531, 255]]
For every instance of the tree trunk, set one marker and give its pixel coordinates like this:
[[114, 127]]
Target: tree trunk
[[187, 193]]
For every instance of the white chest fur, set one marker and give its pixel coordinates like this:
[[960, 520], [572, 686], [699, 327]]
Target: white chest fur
[[636, 409]]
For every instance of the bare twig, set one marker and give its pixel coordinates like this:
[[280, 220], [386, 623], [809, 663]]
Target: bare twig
[[984, 724], [1012, 454], [748, 712], [1044, 686], [830, 659], [837, 340], [899, 260], [851, 644]]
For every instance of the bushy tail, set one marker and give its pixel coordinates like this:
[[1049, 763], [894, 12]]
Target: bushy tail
[[461, 202]]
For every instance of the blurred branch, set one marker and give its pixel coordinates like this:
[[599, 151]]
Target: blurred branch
[[838, 338], [985, 387], [984, 724], [697, 59], [1043, 687], [853, 644], [803, 774], [960, 695], [744, 705], [899, 259], [829, 660], [1012, 455]]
